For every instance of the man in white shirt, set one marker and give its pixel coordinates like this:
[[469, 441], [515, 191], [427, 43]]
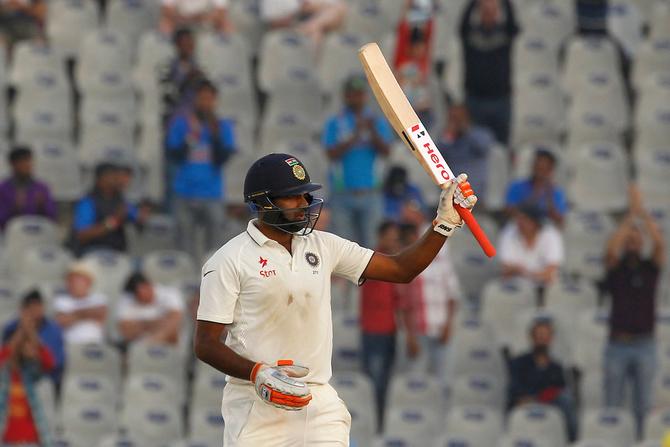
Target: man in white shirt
[[530, 247], [312, 17], [194, 13], [150, 312], [268, 291], [81, 312]]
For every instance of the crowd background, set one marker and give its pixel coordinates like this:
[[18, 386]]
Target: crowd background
[[129, 126]]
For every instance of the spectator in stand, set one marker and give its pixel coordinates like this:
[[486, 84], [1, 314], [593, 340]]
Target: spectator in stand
[[354, 139], [24, 359], [537, 377], [433, 299], [80, 311], [467, 147], [199, 143], [381, 310], [539, 190], [413, 68], [194, 13], [51, 335], [631, 281], [21, 194], [530, 248], [314, 18], [487, 30], [149, 312], [100, 217], [182, 75], [21, 20], [398, 192]]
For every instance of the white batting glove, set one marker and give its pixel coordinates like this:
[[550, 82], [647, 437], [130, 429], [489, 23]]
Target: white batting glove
[[276, 385], [459, 192]]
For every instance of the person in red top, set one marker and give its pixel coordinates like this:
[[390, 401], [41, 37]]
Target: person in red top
[[381, 305], [23, 361]]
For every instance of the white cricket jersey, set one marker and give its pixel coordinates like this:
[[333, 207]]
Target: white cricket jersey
[[277, 305]]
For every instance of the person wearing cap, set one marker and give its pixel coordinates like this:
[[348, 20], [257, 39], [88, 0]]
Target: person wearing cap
[[149, 312], [100, 217], [536, 376], [32, 312], [531, 248], [80, 311], [266, 292], [199, 143], [540, 189], [354, 140], [21, 194]]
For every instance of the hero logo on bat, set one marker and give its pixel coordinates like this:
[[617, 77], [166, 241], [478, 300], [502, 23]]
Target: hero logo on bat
[[418, 132]]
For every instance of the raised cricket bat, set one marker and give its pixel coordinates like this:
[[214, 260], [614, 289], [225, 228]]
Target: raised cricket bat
[[406, 123]]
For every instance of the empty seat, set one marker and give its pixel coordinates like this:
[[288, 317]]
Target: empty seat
[[197, 441], [660, 21], [208, 388], [368, 19], [224, 55], [145, 358], [132, 17], [68, 20], [653, 124], [30, 58], [86, 424], [404, 441], [101, 50], [120, 440], [143, 388], [589, 339], [25, 232], [346, 344], [357, 391], [548, 19], [155, 425], [43, 118], [154, 52], [598, 169], [657, 424], [537, 420], [624, 23], [591, 390], [88, 388], [207, 423], [473, 267], [649, 443], [600, 92], [484, 359], [416, 389], [478, 389], [571, 296], [662, 388], [588, 54], [111, 269], [338, 61], [534, 52], [612, 425], [481, 425], [57, 164], [653, 169], [297, 96], [652, 58], [591, 443], [93, 359], [158, 233], [44, 264], [411, 421], [524, 441], [502, 300], [588, 126], [539, 114], [363, 422], [284, 54], [169, 267], [586, 233]]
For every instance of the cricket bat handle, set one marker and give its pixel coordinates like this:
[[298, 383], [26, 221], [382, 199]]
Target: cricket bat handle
[[476, 231]]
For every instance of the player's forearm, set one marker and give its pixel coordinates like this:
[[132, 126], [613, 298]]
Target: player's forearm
[[209, 349], [415, 258]]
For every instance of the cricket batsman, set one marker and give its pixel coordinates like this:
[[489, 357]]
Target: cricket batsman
[[267, 291]]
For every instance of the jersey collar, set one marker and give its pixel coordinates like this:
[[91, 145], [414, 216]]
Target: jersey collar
[[255, 233]]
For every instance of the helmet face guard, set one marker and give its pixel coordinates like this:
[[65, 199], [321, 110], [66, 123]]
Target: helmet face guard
[[270, 214]]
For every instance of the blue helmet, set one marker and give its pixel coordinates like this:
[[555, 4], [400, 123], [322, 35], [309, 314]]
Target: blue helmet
[[281, 175]]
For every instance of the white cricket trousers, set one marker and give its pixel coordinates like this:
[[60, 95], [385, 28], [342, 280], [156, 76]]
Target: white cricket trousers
[[250, 422]]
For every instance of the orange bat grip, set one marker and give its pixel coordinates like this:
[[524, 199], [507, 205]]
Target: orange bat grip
[[476, 231]]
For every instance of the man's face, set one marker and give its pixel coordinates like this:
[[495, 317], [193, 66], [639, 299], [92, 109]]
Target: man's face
[[124, 178], [205, 101], [23, 167], [144, 293], [634, 241], [34, 311], [459, 119], [185, 46], [542, 335], [108, 181], [527, 226], [355, 99], [490, 11], [292, 204], [78, 285], [543, 168], [389, 240]]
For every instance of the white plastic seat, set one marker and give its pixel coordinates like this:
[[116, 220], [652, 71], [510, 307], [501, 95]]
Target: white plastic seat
[[402, 441], [165, 360], [524, 441], [601, 92], [158, 233], [588, 54], [30, 57], [111, 269], [657, 424], [653, 169], [86, 424], [649, 443], [88, 388], [101, 50], [356, 390], [598, 170], [570, 296], [411, 421], [197, 441], [591, 126], [119, 440], [591, 390], [550, 20], [478, 389], [368, 19], [502, 300], [538, 421], [43, 264], [591, 442], [653, 124], [40, 118], [586, 233], [147, 388], [155, 425], [68, 20], [363, 421], [170, 267], [539, 114], [472, 266], [246, 17], [208, 388], [132, 17], [653, 57], [283, 127], [282, 54], [154, 53], [222, 54], [589, 339], [483, 359], [57, 164], [25, 232], [93, 359], [534, 52], [660, 21], [661, 391], [613, 425], [416, 389], [346, 344], [338, 61], [471, 332], [624, 22], [207, 423], [300, 97], [481, 421]]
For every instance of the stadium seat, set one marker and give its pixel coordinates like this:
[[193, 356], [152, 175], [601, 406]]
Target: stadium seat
[[539, 114], [86, 424], [298, 97], [346, 344], [207, 423], [415, 389], [369, 20], [660, 21], [131, 17], [111, 269], [207, 388], [43, 118], [154, 52], [196, 441], [224, 55], [589, 339], [356, 390], [534, 53], [591, 396], [484, 359], [284, 54], [88, 388], [43, 264], [570, 296], [624, 23], [453, 83], [338, 61], [94, 359], [144, 358], [473, 267], [502, 300], [155, 388], [151, 158], [497, 178], [585, 54], [661, 391], [403, 441], [119, 440], [598, 171], [653, 125], [283, 127], [586, 233], [538, 421], [169, 267], [657, 424], [478, 389], [412, 422], [653, 167], [154, 425], [524, 441], [653, 89], [57, 164], [67, 21], [588, 127], [652, 58], [158, 233], [471, 332], [612, 425], [30, 58], [600, 92], [548, 19], [649, 443], [363, 425], [25, 232], [479, 424], [591, 442], [103, 49]]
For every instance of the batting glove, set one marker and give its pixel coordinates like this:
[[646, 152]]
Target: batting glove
[[457, 192], [276, 385]]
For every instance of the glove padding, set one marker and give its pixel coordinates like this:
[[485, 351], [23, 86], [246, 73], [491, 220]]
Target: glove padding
[[276, 385], [459, 192]]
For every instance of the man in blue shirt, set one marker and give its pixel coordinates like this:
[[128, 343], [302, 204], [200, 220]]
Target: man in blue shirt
[[353, 139], [539, 190], [198, 145], [32, 313]]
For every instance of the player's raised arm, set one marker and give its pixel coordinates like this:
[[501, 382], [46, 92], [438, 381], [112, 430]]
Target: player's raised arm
[[406, 265]]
